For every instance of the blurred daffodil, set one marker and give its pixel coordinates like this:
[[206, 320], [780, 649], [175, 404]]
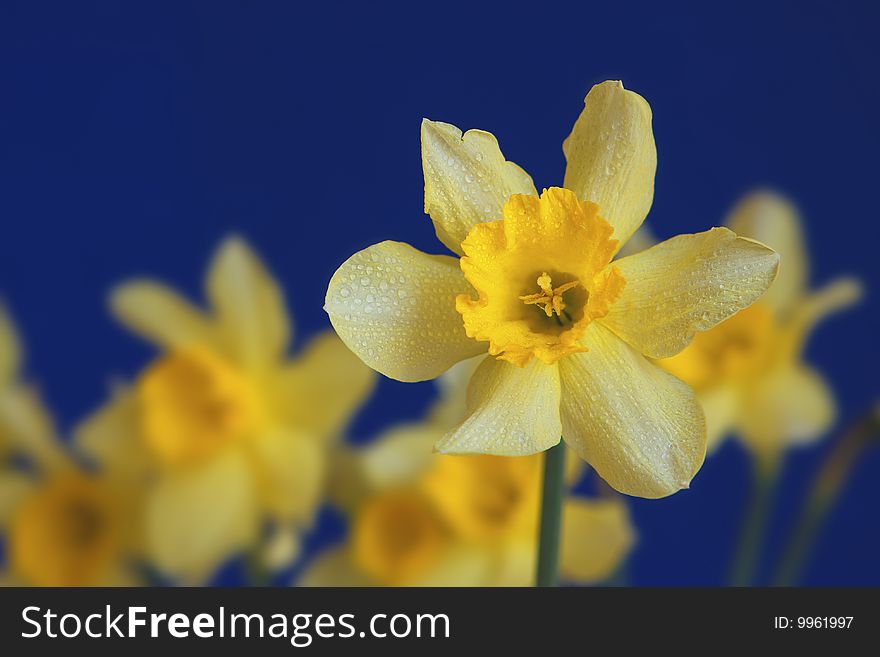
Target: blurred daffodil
[[231, 433], [749, 371], [566, 331], [63, 525], [423, 519]]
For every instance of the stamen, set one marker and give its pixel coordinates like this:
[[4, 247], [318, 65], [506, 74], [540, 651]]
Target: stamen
[[549, 298]]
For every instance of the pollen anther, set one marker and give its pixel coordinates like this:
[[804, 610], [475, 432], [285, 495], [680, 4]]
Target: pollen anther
[[549, 298]]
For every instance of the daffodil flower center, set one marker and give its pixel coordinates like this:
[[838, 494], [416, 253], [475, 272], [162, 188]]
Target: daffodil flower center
[[64, 535], [543, 273], [193, 404], [550, 299]]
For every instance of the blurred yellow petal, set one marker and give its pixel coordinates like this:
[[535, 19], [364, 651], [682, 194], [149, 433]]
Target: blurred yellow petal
[[10, 349], [334, 568], [721, 405], [394, 307], [687, 284], [641, 240], [14, 487], [290, 468], [159, 314], [400, 456], [249, 305], [324, 387], [835, 296], [467, 180], [597, 536], [112, 438], [461, 564], [612, 158], [774, 221], [516, 563], [450, 407], [26, 426], [511, 411], [791, 405], [639, 427], [198, 517]]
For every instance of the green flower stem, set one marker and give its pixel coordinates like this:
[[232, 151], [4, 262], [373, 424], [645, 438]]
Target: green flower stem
[[826, 489], [551, 515], [754, 523]]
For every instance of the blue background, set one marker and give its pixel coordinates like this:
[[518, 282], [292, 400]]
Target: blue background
[[133, 136]]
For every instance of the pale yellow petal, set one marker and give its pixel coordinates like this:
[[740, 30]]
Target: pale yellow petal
[[394, 307], [334, 568], [10, 349], [721, 405], [199, 517], [612, 158], [597, 536], [462, 564], [791, 406], [249, 305], [467, 180], [451, 405], [516, 562], [111, 437], [159, 314], [638, 426], [324, 387], [27, 427], [511, 411], [291, 470], [400, 455], [687, 284], [816, 306], [773, 220]]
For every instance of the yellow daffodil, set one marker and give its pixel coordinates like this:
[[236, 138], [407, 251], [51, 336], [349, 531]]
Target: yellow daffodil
[[230, 432], [63, 525], [426, 519], [566, 330], [749, 371]]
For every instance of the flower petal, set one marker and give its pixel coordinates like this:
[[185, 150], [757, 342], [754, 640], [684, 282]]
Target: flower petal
[[159, 314], [597, 535], [27, 427], [333, 568], [639, 427], [249, 305], [511, 411], [324, 387], [10, 349], [199, 517], [394, 307], [838, 295], [791, 406], [612, 158], [112, 436], [399, 456], [467, 180], [291, 469], [774, 221], [687, 284], [721, 405]]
